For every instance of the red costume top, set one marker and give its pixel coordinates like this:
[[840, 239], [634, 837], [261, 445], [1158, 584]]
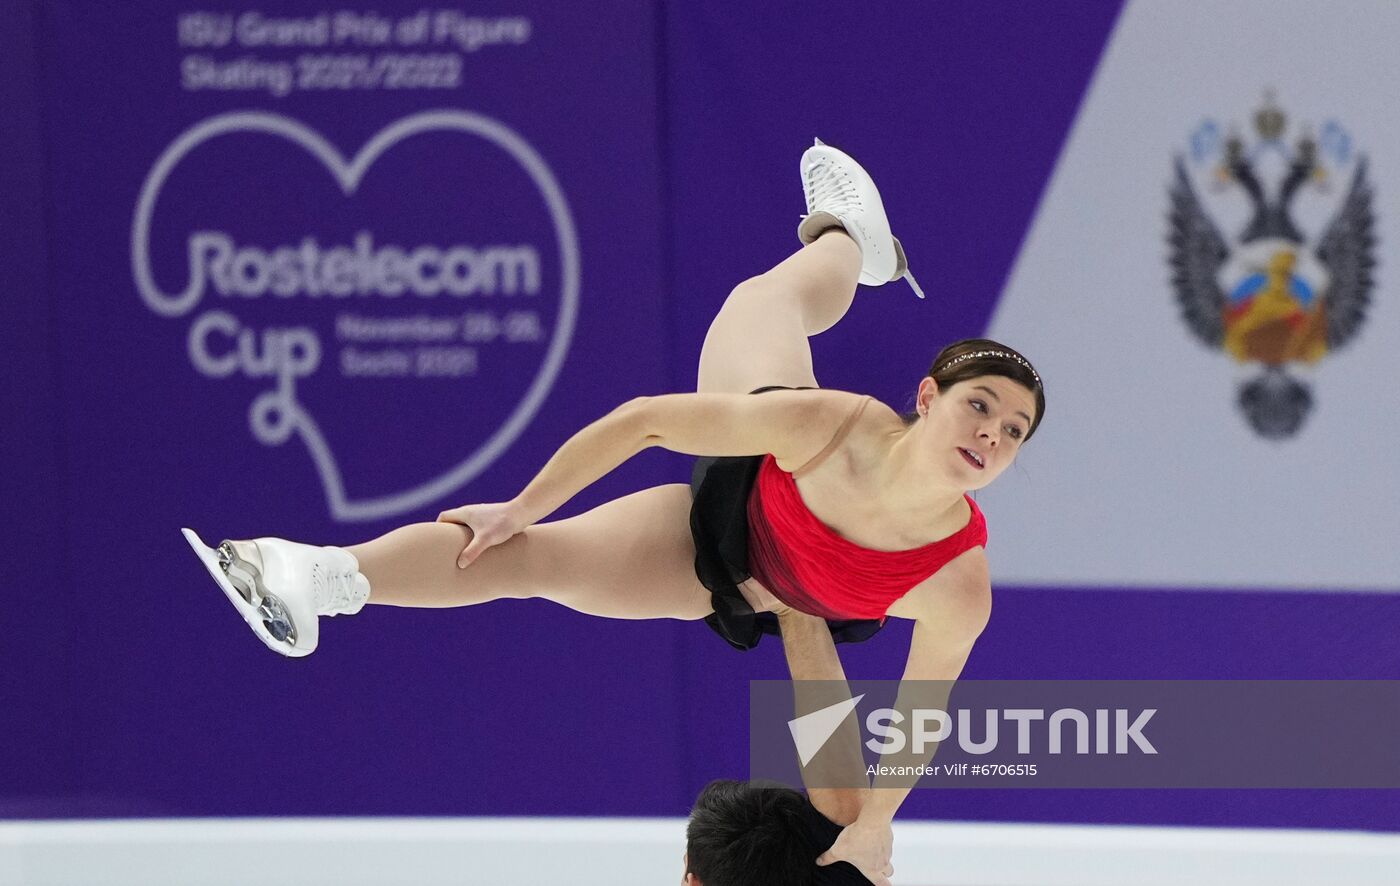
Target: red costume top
[[811, 568]]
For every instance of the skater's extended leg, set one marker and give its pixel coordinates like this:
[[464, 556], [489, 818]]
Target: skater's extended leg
[[630, 558]]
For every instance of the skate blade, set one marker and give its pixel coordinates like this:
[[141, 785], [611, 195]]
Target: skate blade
[[255, 610], [901, 268]]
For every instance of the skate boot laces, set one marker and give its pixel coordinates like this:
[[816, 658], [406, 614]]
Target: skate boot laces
[[831, 188], [332, 590]]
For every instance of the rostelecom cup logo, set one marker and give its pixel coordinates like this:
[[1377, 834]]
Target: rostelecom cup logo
[[344, 299]]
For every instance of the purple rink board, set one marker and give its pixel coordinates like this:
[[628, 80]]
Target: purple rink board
[[579, 186]]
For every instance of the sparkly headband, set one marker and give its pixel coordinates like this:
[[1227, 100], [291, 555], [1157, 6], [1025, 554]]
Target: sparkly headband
[[1015, 358]]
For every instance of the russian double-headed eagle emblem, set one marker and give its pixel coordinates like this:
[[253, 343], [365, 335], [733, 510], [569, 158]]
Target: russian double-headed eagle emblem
[[1273, 295]]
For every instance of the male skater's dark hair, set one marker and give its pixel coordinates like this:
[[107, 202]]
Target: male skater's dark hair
[[750, 834]]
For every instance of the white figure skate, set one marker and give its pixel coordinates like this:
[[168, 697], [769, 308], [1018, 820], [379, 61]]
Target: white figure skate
[[280, 586], [841, 194]]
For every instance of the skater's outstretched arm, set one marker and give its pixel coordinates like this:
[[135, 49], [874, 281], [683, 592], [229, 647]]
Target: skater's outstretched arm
[[792, 425], [949, 610]]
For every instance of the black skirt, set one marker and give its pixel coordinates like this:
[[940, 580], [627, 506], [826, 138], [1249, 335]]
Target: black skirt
[[719, 524]]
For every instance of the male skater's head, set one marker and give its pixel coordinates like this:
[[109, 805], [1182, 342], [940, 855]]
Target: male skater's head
[[760, 834], [740, 833]]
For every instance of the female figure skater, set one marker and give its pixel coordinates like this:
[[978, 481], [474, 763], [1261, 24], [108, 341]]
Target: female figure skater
[[823, 501]]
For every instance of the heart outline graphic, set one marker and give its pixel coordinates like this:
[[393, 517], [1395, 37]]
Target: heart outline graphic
[[348, 175]]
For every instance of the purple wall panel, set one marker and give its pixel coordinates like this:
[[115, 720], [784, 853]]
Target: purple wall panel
[[36, 656], [512, 708]]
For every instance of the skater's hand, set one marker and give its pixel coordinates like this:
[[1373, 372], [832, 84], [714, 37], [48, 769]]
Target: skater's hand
[[867, 846], [490, 524]]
